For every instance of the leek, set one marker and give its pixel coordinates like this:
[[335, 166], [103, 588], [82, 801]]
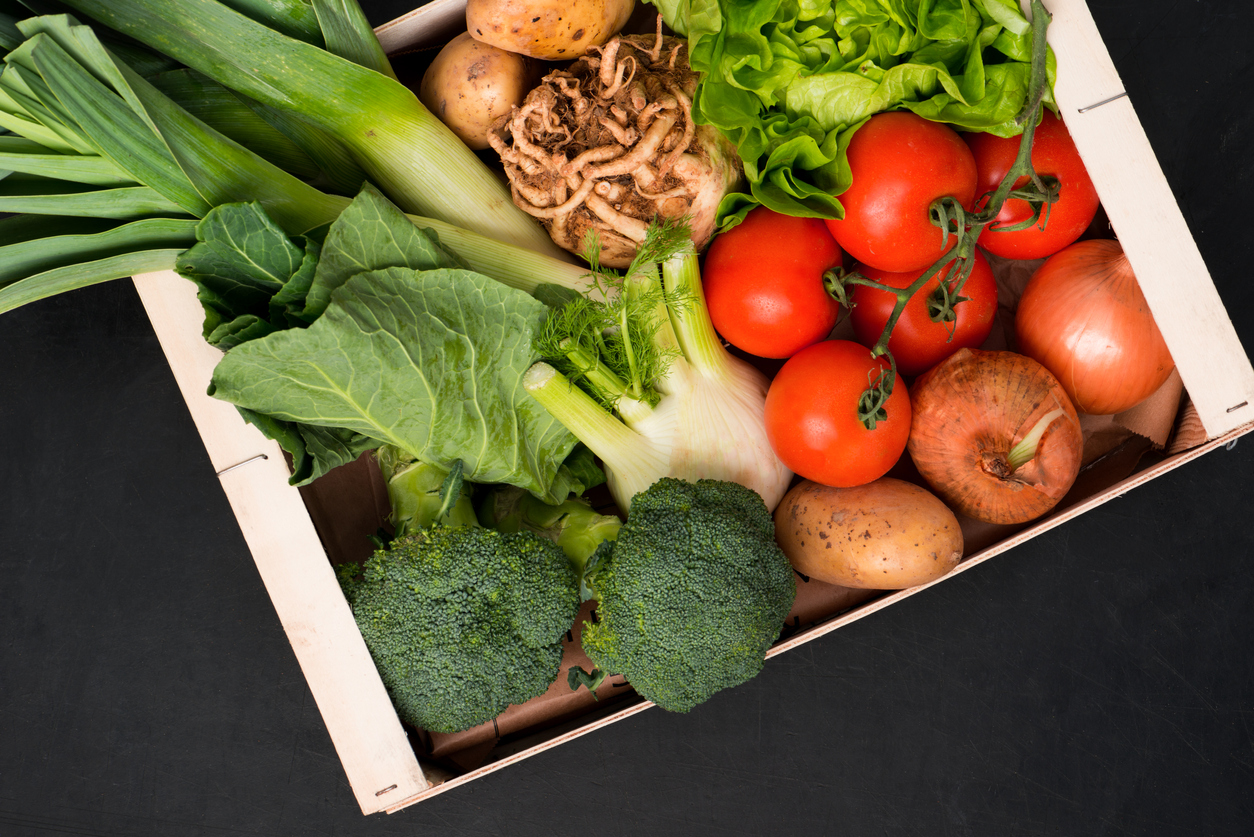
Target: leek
[[406, 150], [156, 159], [41, 257]]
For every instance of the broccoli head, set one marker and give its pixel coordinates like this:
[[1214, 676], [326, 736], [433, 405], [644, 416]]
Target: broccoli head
[[691, 594], [463, 621]]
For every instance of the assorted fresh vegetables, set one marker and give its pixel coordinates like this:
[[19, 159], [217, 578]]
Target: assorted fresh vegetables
[[494, 381], [791, 82], [405, 150]]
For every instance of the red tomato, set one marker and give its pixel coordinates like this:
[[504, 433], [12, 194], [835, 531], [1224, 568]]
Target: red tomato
[[901, 163], [1054, 154], [917, 342], [763, 282], [812, 416]]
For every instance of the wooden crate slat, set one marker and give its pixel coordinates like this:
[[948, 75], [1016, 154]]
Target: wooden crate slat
[[368, 736], [1146, 217]]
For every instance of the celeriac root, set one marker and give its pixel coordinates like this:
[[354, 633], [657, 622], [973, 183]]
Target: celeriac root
[[609, 144]]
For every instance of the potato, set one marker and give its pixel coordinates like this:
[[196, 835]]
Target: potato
[[470, 84], [884, 535], [554, 30]]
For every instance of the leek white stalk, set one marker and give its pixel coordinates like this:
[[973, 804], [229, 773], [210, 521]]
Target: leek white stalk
[[412, 156]]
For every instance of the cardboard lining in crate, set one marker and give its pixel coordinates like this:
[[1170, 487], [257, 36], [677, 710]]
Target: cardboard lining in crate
[[278, 521]]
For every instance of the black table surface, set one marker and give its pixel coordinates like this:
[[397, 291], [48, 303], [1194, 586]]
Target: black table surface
[[1096, 680]]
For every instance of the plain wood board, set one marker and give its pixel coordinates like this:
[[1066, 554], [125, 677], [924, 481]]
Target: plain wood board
[[363, 726], [1146, 217]]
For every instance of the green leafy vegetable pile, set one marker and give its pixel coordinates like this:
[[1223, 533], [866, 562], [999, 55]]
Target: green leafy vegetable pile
[[377, 336], [789, 81]]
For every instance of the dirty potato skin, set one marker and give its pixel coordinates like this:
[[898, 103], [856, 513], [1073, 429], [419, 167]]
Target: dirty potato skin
[[885, 535], [471, 84], [553, 30]]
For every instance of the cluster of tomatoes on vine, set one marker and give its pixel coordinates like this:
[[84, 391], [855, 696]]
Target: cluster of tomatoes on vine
[[904, 263]]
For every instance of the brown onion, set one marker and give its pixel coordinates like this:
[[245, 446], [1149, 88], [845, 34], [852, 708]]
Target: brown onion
[[1084, 317], [995, 435]]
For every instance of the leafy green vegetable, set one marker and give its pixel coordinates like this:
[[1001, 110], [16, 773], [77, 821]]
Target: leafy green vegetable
[[248, 272], [254, 280], [372, 234], [789, 81], [430, 361]]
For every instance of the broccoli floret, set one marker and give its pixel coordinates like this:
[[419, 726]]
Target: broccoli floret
[[462, 622], [691, 594]]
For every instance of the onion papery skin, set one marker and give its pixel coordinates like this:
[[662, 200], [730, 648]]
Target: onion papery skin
[[969, 411], [1083, 317]]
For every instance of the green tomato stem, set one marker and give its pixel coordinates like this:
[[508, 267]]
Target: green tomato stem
[[945, 212]]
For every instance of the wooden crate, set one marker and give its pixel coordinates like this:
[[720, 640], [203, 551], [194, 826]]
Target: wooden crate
[[376, 752]]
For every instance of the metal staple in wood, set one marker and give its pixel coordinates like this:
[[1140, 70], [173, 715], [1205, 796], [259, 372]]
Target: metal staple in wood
[[242, 464], [1114, 98]]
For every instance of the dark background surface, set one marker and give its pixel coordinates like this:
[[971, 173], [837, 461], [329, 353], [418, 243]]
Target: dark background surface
[[1096, 680]]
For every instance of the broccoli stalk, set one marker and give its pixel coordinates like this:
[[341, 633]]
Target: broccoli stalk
[[415, 492], [690, 595], [573, 525], [685, 407]]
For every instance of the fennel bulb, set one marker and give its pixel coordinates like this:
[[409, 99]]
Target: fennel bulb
[[685, 407]]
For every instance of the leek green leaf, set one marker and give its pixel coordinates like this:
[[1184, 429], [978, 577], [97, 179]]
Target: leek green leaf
[[149, 136], [294, 18], [224, 111], [51, 197], [71, 277], [32, 245], [23, 155], [349, 35]]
